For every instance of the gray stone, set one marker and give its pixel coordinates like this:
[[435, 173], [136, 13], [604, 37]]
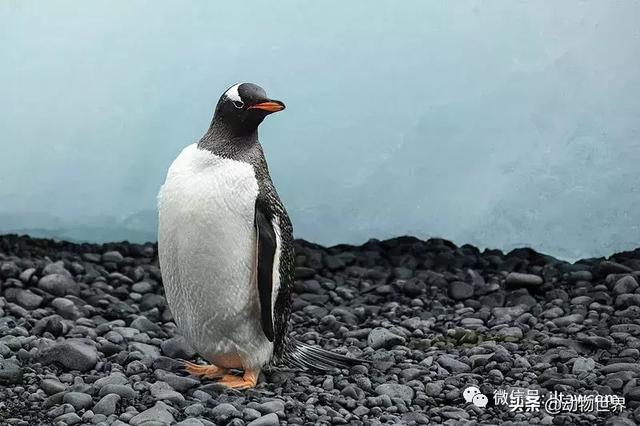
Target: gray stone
[[112, 257], [455, 413], [177, 347], [582, 365], [144, 325], [453, 365], [142, 287], [434, 389], [125, 391], [10, 372], [115, 378], [78, 400], [107, 404], [28, 300], [568, 320], [25, 276], [159, 413], [394, 390], [73, 354], [516, 279], [179, 383], [190, 422], [56, 268], [9, 270], [626, 284], [162, 391], [459, 290], [626, 300], [621, 366], [382, 338], [67, 419], [510, 334], [194, 410], [266, 420], [274, 406], [250, 414], [52, 386], [66, 308], [224, 412], [59, 285], [147, 351]]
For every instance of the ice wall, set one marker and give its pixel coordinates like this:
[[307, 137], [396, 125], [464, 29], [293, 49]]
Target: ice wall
[[495, 123]]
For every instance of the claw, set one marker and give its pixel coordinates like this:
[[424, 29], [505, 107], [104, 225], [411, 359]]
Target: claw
[[247, 381], [209, 371]]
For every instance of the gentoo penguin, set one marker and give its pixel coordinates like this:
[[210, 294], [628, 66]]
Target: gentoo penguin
[[225, 248]]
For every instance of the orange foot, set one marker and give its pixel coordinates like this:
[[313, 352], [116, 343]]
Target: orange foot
[[208, 371], [247, 381]]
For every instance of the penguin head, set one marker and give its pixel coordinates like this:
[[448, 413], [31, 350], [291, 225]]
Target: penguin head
[[243, 107]]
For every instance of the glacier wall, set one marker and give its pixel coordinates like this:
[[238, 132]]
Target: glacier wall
[[500, 124]]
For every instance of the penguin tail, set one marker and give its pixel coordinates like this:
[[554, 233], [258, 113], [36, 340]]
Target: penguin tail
[[304, 356]]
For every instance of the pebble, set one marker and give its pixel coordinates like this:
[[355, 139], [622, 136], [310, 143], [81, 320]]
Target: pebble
[[383, 338], [516, 279], [162, 391], [177, 347], [266, 420], [510, 334], [52, 386], [89, 339], [28, 299], [582, 365], [124, 391], [78, 400], [10, 372], [158, 413], [58, 285], [459, 290], [73, 354], [568, 320], [224, 412], [113, 256], [626, 284], [394, 390], [453, 365], [107, 404]]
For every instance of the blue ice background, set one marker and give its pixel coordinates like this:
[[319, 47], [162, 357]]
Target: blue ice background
[[501, 124]]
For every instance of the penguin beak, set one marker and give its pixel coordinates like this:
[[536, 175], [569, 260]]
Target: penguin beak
[[269, 106]]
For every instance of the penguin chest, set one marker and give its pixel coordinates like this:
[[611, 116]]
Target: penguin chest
[[207, 248]]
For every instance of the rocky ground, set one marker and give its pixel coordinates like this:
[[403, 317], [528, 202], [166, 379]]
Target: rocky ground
[[86, 337]]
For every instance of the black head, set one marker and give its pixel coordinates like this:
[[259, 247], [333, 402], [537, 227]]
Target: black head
[[243, 107]]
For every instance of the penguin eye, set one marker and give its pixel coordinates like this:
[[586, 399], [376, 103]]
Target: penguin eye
[[238, 104]]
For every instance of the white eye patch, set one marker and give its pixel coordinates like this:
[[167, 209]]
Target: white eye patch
[[233, 94]]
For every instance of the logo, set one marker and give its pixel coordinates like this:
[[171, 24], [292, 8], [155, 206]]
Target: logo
[[473, 394], [553, 402]]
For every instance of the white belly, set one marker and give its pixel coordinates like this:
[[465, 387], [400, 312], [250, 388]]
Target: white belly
[[207, 249]]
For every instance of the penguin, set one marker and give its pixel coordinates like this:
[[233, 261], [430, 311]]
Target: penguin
[[225, 246]]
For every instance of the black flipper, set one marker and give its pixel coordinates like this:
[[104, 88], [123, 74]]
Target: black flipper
[[266, 248], [304, 356]]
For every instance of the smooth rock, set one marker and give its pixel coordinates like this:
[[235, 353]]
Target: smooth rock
[[107, 404], [266, 420], [159, 413], [516, 279], [383, 338], [10, 372], [78, 400], [394, 390], [73, 354]]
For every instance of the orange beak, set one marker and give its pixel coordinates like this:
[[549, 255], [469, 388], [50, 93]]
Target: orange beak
[[269, 106]]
